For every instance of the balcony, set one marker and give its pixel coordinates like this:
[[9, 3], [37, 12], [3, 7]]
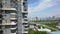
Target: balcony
[[26, 25], [13, 13], [24, 21], [12, 23], [24, 31], [26, 18], [24, 12], [13, 28], [13, 33], [13, 18], [26, 15], [9, 9], [6, 23]]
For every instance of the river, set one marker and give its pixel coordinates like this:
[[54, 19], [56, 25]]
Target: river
[[56, 32]]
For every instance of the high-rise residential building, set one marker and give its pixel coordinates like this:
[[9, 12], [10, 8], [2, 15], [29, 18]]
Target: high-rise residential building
[[13, 17]]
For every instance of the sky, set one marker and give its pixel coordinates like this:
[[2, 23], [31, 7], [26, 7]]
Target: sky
[[43, 8]]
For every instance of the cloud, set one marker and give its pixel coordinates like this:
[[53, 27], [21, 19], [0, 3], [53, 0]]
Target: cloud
[[44, 4]]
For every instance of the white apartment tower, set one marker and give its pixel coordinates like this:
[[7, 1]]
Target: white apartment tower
[[13, 17]]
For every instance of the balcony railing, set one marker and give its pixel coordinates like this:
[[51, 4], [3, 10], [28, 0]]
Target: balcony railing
[[24, 31], [8, 23], [8, 9], [13, 33], [24, 21], [13, 18]]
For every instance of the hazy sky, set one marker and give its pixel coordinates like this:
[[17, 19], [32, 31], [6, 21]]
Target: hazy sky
[[43, 8]]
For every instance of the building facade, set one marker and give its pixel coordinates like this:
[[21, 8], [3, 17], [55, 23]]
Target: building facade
[[13, 17]]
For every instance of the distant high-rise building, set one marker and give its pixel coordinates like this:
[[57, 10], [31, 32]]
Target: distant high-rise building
[[35, 19], [13, 17]]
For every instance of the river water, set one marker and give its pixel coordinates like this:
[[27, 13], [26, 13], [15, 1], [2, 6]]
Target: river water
[[56, 32]]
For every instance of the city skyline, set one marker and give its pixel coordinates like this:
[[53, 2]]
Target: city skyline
[[43, 8]]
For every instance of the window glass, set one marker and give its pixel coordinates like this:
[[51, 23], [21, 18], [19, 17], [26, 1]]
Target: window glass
[[7, 26]]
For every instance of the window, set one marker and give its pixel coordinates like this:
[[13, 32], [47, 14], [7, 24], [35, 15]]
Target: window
[[7, 26], [25, 6], [25, 9], [7, 12], [15, 0], [13, 31], [13, 16], [25, 29], [0, 26], [1, 16], [13, 11], [1, 10], [1, 31], [0, 0], [14, 21], [23, 3], [24, 16], [26, 26], [24, 33], [0, 21], [13, 5], [13, 26], [25, 19], [25, 23], [0, 5]]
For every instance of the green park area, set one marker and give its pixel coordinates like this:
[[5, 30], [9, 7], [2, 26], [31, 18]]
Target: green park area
[[50, 24], [45, 24], [36, 32]]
